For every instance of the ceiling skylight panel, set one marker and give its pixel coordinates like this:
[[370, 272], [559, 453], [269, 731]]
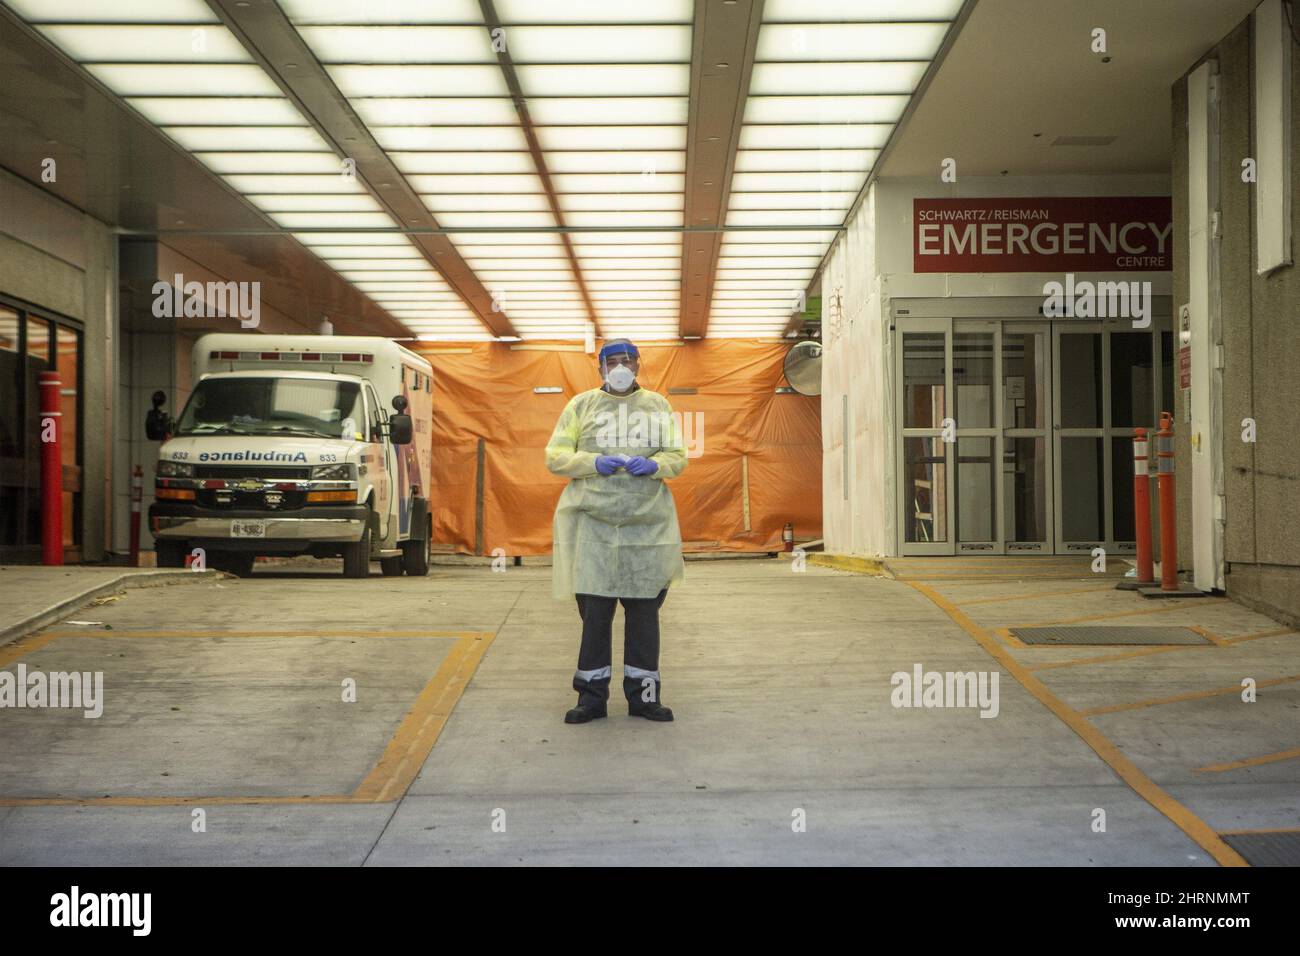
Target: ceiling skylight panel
[[611, 111], [635, 139], [476, 184], [444, 111], [451, 138], [276, 202], [802, 200], [642, 162], [801, 160], [594, 11], [485, 202], [381, 11], [849, 41], [831, 136], [610, 79], [119, 11], [816, 79], [183, 79], [599, 44], [825, 109], [788, 11], [470, 162], [621, 202], [146, 43], [431, 80], [332, 220], [399, 44]]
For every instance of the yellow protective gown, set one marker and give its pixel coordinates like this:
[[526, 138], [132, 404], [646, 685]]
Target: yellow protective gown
[[615, 535]]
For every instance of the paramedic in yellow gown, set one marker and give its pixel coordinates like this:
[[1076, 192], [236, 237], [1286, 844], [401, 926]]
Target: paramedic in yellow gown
[[615, 531]]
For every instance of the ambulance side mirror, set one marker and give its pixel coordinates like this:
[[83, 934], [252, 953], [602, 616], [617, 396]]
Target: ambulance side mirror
[[400, 427], [157, 423]]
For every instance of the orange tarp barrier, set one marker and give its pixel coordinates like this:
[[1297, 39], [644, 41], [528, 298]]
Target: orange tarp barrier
[[485, 391]]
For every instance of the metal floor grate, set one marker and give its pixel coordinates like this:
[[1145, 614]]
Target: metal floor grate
[[1107, 636], [1267, 849]]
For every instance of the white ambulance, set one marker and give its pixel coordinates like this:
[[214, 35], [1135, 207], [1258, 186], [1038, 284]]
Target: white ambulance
[[287, 446]]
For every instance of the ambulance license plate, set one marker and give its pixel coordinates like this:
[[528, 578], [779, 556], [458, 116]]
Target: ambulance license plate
[[247, 529]]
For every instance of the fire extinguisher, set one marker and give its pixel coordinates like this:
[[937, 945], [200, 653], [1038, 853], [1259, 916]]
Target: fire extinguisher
[[787, 536]]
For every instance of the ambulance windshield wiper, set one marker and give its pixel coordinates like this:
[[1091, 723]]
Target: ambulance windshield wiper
[[293, 430], [215, 430]]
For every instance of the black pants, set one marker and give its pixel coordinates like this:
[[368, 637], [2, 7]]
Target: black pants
[[640, 649]]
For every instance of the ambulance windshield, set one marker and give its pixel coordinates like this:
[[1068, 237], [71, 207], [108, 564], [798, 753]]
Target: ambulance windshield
[[322, 407]]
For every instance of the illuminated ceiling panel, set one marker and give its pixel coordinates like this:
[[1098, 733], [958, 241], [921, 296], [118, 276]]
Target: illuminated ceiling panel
[[181, 69], [552, 147], [831, 79]]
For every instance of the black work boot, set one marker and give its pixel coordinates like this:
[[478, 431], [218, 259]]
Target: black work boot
[[643, 698], [585, 712], [656, 712]]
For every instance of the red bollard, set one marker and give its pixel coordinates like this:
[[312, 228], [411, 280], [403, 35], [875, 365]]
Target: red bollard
[[1142, 507], [137, 492], [51, 470], [1168, 517]]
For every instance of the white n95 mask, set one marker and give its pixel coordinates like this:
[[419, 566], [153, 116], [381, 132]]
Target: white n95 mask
[[620, 378]]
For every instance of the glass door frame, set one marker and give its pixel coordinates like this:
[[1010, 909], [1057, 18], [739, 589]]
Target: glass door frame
[[1107, 431], [992, 432], [902, 432], [1046, 544]]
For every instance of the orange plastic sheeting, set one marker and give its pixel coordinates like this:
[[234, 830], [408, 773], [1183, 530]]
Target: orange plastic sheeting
[[485, 391]]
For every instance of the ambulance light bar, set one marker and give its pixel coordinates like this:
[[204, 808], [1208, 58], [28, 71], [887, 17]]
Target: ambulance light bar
[[362, 357]]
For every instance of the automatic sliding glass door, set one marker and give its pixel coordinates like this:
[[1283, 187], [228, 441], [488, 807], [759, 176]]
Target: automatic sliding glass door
[[924, 387], [1026, 446]]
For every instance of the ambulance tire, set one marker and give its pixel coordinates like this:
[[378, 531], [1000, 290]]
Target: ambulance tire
[[415, 554], [356, 557]]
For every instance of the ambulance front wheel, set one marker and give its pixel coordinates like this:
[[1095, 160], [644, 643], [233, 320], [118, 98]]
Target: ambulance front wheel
[[356, 556]]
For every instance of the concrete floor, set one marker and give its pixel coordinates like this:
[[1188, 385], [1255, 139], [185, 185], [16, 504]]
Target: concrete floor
[[781, 683]]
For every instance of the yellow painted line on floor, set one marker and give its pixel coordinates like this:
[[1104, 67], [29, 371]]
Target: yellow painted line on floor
[[1040, 594], [998, 578], [1108, 617], [419, 729], [1010, 639], [247, 634], [1207, 634], [170, 801], [24, 645], [1105, 658], [1291, 754], [1182, 817], [1179, 698], [1275, 632], [388, 780]]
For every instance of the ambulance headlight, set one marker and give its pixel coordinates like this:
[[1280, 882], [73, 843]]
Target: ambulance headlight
[[334, 473], [174, 469]]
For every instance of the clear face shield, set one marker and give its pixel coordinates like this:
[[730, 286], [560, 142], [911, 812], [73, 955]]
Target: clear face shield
[[619, 368]]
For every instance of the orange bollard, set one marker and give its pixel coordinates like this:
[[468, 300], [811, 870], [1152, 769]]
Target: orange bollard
[[1142, 507], [1168, 517]]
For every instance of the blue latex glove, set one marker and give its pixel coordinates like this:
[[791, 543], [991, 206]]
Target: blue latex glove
[[642, 466], [608, 464]]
